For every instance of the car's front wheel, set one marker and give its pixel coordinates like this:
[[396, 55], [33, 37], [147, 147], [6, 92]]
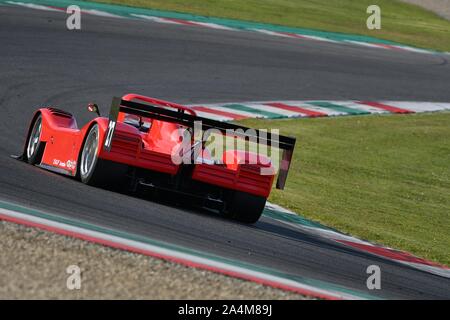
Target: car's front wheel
[[35, 147]]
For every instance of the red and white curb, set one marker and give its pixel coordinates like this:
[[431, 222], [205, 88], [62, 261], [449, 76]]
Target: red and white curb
[[307, 109], [191, 23], [216, 265], [378, 250]]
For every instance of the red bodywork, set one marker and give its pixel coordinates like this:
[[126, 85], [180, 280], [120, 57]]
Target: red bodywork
[[150, 150]]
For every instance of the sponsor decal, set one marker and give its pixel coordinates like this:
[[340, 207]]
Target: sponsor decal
[[69, 164]]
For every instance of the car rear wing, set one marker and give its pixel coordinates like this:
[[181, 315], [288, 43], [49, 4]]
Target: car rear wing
[[158, 109]]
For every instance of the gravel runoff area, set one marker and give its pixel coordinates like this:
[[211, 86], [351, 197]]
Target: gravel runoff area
[[441, 7], [33, 265]]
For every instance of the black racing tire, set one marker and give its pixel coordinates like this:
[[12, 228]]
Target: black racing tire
[[245, 207], [34, 147], [94, 171]]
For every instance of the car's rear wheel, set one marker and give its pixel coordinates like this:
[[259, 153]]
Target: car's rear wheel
[[95, 171], [245, 207], [35, 148]]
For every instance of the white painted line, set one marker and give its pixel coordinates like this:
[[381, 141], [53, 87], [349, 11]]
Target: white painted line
[[294, 35], [34, 6], [376, 45], [419, 106], [169, 253], [214, 26], [366, 44], [272, 33], [381, 46], [170, 21], [155, 19], [275, 207], [317, 38], [100, 13], [411, 49]]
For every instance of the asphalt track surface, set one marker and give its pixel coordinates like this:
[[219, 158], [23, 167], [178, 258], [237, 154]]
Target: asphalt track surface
[[44, 64]]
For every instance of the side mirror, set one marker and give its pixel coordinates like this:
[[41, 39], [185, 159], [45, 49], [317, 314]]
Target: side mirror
[[92, 107]]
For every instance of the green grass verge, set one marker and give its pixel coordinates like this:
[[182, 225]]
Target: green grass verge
[[381, 178], [401, 22]]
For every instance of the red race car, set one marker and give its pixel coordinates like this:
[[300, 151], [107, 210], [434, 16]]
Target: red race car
[[158, 147]]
